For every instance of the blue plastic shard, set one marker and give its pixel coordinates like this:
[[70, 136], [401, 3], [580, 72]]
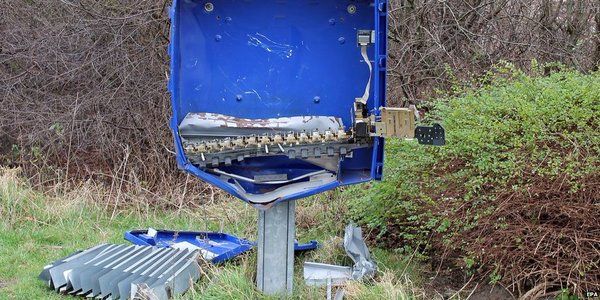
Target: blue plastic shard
[[312, 245], [215, 247]]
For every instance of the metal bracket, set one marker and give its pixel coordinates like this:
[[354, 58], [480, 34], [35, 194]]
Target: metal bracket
[[396, 122], [434, 135]]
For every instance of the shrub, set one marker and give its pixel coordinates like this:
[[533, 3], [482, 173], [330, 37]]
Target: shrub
[[513, 196], [84, 91]]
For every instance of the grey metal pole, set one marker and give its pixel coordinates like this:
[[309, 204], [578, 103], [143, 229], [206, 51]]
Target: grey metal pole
[[276, 234]]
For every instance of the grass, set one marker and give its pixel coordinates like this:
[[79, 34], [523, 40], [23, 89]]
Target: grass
[[36, 229]]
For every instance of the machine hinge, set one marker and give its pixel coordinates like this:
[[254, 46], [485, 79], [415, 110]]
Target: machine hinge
[[395, 122]]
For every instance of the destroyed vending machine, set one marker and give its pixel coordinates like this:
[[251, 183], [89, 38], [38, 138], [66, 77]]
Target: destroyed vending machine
[[277, 100]]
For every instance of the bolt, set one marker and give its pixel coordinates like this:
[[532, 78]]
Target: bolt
[[351, 9], [238, 97], [317, 99], [341, 40], [228, 19], [218, 37], [208, 7]]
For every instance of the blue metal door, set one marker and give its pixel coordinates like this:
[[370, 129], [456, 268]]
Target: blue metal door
[[292, 66]]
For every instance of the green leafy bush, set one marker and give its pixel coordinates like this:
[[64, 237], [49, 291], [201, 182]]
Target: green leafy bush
[[513, 196]]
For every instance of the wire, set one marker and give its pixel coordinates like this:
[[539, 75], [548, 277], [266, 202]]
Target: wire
[[365, 96], [242, 178]]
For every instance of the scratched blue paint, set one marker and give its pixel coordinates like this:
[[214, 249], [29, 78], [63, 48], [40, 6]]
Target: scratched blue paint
[[273, 58]]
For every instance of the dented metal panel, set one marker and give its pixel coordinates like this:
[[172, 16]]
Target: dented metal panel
[[357, 250]]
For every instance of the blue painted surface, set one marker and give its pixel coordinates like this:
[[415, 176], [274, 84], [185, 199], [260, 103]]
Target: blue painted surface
[[272, 58], [312, 245], [381, 24], [224, 246]]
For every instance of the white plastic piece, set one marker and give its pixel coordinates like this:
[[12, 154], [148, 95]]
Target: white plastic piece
[[152, 232]]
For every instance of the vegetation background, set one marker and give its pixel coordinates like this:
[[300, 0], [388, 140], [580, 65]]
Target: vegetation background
[[512, 200]]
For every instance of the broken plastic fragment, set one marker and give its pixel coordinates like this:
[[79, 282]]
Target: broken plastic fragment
[[152, 232]]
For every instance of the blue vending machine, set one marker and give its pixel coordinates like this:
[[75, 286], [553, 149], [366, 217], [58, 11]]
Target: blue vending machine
[[277, 100]]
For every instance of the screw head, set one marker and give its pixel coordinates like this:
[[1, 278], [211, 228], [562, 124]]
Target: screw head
[[317, 99], [238, 97], [208, 7], [218, 37], [332, 21], [351, 9], [341, 40]]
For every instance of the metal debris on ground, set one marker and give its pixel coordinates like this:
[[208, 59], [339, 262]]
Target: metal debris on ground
[[142, 292], [110, 271], [319, 274], [322, 274], [357, 250]]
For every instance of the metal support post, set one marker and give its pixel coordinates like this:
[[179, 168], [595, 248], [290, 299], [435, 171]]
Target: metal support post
[[276, 235]]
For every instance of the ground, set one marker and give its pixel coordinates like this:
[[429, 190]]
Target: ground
[[37, 228]]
